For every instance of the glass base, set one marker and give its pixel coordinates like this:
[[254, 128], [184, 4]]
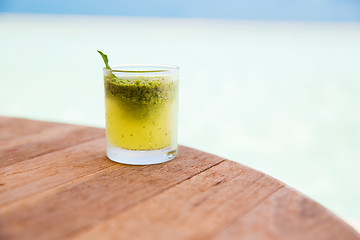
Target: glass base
[[134, 157]]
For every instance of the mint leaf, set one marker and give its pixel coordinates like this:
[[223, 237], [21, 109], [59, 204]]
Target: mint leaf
[[106, 60]]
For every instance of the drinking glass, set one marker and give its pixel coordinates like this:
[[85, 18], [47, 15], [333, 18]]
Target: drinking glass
[[141, 105]]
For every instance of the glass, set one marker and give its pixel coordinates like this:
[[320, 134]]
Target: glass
[[141, 104]]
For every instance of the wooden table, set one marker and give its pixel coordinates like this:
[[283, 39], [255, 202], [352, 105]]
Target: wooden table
[[57, 183]]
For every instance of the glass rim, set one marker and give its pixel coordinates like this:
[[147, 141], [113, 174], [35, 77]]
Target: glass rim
[[158, 68]]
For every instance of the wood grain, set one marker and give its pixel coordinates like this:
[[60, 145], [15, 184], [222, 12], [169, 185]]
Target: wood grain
[[50, 170], [13, 127], [207, 199], [288, 215], [57, 183], [43, 141]]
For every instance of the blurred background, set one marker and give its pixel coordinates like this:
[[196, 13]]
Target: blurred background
[[270, 84]]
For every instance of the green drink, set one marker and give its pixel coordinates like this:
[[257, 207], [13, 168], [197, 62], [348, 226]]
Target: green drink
[[141, 103]]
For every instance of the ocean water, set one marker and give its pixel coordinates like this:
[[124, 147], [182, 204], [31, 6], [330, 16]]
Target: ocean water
[[281, 97], [303, 10]]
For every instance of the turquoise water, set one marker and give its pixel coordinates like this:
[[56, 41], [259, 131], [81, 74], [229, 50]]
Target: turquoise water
[[304, 10], [281, 97]]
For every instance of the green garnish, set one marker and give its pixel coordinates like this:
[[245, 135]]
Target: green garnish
[[106, 60], [136, 89]]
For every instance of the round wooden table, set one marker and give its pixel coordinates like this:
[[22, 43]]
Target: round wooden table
[[57, 183]]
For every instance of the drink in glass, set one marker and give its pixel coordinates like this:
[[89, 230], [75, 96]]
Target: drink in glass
[[141, 104]]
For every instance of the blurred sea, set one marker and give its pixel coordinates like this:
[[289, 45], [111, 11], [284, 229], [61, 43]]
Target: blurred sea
[[279, 96], [298, 10]]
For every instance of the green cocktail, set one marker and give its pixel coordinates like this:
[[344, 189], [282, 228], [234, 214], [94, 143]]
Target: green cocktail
[[141, 103]]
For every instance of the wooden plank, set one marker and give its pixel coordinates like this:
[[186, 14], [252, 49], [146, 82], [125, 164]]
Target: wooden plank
[[99, 196], [14, 127], [47, 140], [21, 180], [56, 183], [288, 214], [193, 209]]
